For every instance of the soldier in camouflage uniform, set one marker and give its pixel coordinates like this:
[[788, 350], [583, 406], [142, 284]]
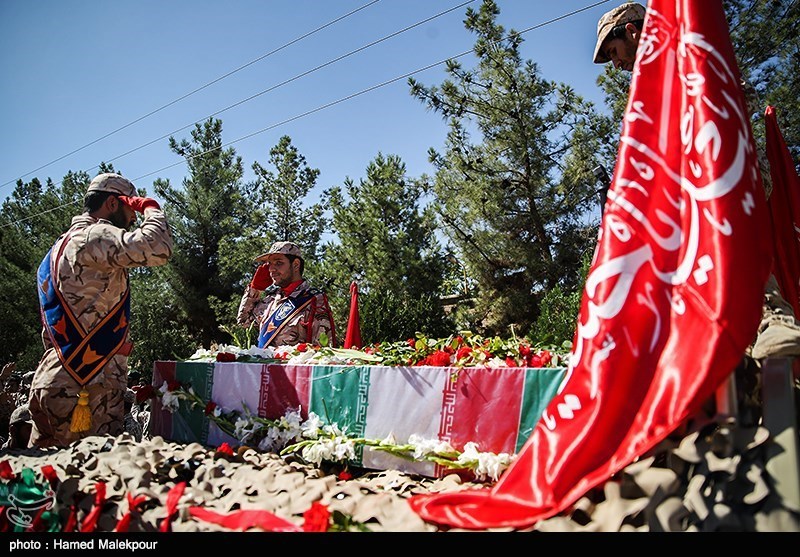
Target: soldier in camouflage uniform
[[292, 312], [618, 33], [90, 264]]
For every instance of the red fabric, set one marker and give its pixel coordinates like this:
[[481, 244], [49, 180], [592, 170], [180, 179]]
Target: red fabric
[[134, 503], [353, 337], [90, 522], [784, 209], [173, 497], [245, 519], [675, 290]]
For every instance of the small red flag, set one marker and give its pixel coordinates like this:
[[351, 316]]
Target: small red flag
[[784, 210], [674, 293], [353, 337]]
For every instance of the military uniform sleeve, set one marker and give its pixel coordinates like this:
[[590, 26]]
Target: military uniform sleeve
[[148, 245], [249, 307], [322, 321]]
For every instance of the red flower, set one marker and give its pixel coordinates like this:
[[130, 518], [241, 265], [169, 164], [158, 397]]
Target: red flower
[[546, 357], [345, 475], [463, 352], [5, 470], [210, 407], [225, 449], [143, 392], [534, 361], [302, 347], [511, 362], [316, 518], [524, 350], [173, 385], [459, 340], [412, 343], [226, 357]]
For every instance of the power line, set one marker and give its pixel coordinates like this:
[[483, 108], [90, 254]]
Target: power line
[[281, 84], [189, 94], [328, 105]]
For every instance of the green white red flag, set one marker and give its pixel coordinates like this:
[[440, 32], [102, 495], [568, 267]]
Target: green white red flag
[[674, 294]]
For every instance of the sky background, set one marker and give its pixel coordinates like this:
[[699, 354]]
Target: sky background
[[76, 71]]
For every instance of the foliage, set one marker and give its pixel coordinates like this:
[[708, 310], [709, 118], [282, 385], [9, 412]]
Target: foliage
[[387, 244], [209, 213], [559, 311], [509, 198], [280, 214], [157, 330], [767, 46]]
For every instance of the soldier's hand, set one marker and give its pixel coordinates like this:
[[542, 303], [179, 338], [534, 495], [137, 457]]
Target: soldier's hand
[[261, 279], [139, 204]]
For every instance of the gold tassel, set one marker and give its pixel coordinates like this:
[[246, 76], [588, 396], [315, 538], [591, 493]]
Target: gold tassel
[[82, 415]]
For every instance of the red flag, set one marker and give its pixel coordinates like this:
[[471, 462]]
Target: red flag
[[784, 209], [674, 293], [353, 337]]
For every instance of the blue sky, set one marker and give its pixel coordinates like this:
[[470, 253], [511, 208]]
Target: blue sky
[[74, 71]]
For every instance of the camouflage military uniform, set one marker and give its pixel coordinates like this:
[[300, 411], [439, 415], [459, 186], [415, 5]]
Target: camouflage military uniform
[[296, 330], [92, 277]]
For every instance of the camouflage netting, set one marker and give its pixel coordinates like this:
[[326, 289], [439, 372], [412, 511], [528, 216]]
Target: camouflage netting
[[711, 475]]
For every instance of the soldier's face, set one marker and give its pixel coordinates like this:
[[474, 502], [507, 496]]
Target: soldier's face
[[282, 271], [124, 217]]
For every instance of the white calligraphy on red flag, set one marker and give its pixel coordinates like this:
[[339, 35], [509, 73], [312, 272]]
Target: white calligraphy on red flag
[[674, 294]]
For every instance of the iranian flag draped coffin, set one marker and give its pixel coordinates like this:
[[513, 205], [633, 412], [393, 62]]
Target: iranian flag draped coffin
[[495, 408]]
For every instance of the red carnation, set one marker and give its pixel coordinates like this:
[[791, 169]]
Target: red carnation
[[534, 361], [210, 407], [225, 449], [546, 357], [316, 518], [511, 362], [143, 393], [524, 350], [412, 343], [302, 347], [173, 385], [463, 352]]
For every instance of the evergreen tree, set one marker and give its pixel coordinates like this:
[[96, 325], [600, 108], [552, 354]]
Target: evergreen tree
[[519, 202], [387, 244], [280, 196], [208, 217]]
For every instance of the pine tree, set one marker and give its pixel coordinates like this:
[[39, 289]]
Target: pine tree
[[387, 244], [281, 197], [208, 216], [519, 200]]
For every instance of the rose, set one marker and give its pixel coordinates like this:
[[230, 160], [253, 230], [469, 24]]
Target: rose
[[226, 357], [143, 392]]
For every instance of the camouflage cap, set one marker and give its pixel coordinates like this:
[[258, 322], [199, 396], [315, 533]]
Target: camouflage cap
[[286, 248], [20, 414], [624, 13], [113, 183]]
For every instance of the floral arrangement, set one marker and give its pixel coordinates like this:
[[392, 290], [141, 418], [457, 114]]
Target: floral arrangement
[[314, 441], [459, 351]]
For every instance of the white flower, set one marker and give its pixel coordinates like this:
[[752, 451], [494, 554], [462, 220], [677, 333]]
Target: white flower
[[203, 354], [484, 464], [423, 447], [169, 399], [495, 363], [337, 449], [312, 426]]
